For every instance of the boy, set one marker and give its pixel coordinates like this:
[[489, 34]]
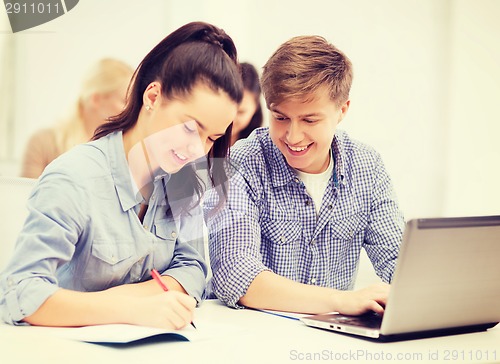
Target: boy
[[304, 198]]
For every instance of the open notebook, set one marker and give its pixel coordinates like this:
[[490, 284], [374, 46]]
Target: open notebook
[[116, 333], [447, 281], [122, 334]]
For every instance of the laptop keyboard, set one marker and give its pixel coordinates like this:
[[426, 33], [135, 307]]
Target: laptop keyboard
[[371, 320]]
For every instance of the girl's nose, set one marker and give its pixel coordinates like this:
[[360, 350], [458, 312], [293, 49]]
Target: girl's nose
[[195, 149]]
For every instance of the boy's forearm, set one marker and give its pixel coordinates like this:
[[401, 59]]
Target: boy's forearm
[[273, 292]]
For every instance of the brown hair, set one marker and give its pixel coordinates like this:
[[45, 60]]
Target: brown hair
[[301, 66]]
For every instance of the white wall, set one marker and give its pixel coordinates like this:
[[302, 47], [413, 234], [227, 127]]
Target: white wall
[[473, 153], [425, 90], [51, 58]]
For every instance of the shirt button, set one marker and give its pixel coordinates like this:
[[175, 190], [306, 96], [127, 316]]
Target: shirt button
[[313, 280], [330, 207], [113, 259], [296, 180], [313, 242], [308, 202], [10, 281], [282, 238], [146, 227], [174, 234]]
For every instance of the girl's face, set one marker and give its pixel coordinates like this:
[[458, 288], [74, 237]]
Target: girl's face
[[181, 130], [246, 109]]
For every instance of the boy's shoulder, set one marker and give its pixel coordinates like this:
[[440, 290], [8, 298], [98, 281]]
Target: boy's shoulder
[[352, 147], [252, 151]]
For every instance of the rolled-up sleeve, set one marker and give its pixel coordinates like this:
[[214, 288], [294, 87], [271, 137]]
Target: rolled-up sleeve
[[386, 224], [234, 241], [47, 241], [188, 265]]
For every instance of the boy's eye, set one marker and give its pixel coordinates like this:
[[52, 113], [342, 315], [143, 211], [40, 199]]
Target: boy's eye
[[280, 118]]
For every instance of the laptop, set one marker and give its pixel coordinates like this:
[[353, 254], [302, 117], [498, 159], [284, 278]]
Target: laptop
[[446, 281]]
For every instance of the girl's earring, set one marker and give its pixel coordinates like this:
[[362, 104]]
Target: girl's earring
[[148, 108]]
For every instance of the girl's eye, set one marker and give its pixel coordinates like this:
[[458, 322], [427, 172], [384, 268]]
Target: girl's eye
[[188, 128]]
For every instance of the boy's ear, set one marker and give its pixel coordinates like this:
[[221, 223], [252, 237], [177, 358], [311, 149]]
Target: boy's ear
[[344, 109]]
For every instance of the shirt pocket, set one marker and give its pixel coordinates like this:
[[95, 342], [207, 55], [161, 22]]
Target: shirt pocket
[[166, 230], [348, 228], [281, 232], [281, 246], [108, 265], [347, 239], [165, 243], [112, 252]]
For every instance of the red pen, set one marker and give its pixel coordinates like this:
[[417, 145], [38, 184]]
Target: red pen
[[156, 276]]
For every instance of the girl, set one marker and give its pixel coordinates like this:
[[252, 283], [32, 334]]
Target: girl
[[249, 115], [106, 213], [102, 95]]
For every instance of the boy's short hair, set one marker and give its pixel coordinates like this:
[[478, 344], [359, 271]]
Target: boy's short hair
[[301, 66]]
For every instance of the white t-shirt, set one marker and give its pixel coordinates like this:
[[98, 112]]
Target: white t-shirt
[[316, 183]]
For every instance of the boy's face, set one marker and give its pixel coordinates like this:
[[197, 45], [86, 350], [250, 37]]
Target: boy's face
[[303, 131]]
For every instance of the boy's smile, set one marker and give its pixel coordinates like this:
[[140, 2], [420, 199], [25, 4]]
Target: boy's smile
[[303, 131]]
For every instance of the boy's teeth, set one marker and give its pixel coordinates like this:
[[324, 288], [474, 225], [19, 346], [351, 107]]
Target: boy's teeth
[[297, 149]]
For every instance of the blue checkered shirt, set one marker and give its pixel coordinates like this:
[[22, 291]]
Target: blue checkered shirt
[[269, 221]]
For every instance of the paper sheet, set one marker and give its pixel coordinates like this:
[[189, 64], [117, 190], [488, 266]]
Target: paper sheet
[[120, 333]]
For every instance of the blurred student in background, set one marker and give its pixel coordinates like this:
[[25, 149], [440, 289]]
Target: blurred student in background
[[102, 95], [249, 115]]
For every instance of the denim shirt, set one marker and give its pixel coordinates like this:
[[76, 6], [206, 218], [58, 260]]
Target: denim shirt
[[269, 221], [83, 233]]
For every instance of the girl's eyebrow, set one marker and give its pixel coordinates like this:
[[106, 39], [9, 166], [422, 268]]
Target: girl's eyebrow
[[202, 127]]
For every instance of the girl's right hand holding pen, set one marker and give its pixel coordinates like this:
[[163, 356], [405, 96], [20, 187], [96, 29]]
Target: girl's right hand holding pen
[[167, 310]]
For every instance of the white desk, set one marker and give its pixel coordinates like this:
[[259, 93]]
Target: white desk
[[252, 337]]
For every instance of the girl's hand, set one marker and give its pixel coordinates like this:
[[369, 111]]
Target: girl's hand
[[167, 310]]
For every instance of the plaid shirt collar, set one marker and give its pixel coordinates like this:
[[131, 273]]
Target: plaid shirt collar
[[282, 173]]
